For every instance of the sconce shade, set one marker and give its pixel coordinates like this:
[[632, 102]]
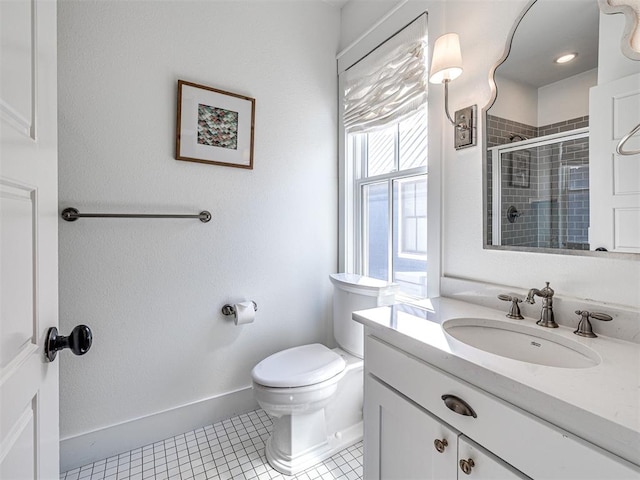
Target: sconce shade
[[446, 63]]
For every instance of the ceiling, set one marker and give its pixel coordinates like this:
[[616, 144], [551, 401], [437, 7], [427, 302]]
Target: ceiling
[[549, 29]]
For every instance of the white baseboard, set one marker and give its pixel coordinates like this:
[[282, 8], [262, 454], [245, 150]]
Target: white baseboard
[[89, 447]]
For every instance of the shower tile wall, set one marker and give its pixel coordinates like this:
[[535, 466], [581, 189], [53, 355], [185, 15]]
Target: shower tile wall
[[578, 207], [517, 192], [538, 205], [567, 125], [544, 203], [500, 131]]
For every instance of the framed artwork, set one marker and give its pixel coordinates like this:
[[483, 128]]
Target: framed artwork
[[214, 126], [520, 165]]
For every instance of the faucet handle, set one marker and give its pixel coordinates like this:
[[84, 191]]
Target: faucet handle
[[584, 325], [509, 298], [514, 311], [601, 316]]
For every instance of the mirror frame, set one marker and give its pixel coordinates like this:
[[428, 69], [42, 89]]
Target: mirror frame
[[631, 27], [485, 110]]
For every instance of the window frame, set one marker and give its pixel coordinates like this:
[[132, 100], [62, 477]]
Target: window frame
[[358, 161], [406, 254]]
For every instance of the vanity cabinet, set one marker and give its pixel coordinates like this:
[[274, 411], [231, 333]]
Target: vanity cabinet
[[405, 412], [405, 442]]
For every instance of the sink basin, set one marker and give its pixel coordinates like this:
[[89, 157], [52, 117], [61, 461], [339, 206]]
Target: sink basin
[[519, 342]]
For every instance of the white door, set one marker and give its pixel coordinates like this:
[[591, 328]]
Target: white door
[[400, 439], [29, 443], [614, 201]]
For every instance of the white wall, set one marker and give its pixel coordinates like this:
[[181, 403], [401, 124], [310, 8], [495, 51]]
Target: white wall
[[566, 99], [483, 35], [358, 16], [152, 290], [516, 101], [558, 101]]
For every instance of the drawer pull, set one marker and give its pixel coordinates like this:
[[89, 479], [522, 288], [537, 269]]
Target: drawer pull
[[466, 466], [458, 405], [440, 444]]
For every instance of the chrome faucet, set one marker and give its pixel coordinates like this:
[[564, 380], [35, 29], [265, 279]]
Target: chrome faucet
[[546, 315]]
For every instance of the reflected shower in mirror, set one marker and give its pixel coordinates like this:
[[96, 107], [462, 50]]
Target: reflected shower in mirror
[[537, 135], [544, 192]]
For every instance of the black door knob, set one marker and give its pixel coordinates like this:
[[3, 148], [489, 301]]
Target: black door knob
[[79, 341]]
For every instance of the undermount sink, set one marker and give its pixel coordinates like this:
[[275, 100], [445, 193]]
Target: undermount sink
[[521, 342]]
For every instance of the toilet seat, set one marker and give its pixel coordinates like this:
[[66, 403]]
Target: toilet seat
[[298, 367]]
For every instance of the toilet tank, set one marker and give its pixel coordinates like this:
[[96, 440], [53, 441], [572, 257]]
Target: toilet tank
[[354, 292]]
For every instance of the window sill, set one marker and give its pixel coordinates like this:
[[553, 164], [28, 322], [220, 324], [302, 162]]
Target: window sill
[[414, 301]]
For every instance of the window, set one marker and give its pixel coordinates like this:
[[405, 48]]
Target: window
[[390, 196], [384, 222]]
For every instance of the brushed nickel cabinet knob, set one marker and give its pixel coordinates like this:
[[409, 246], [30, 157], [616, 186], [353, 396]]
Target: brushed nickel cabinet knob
[[440, 444], [466, 466]]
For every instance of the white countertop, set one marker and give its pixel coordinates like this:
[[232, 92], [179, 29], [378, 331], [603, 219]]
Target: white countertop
[[600, 404]]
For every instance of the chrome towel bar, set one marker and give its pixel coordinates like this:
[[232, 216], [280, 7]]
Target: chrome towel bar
[[619, 147], [72, 214]]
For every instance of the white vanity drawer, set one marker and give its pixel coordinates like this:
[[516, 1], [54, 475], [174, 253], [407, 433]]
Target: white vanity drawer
[[532, 445]]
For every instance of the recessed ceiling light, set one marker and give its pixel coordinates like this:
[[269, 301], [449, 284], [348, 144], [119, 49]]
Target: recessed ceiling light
[[566, 58]]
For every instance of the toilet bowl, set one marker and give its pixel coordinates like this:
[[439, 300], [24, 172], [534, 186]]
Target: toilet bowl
[[313, 393], [310, 422]]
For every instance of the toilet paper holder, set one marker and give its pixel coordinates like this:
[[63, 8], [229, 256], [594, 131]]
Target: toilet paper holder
[[229, 309]]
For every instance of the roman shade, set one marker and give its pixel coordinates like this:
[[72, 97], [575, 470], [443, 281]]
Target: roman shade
[[390, 83]]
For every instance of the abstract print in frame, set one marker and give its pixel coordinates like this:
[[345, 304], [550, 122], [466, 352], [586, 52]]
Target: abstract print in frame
[[214, 126]]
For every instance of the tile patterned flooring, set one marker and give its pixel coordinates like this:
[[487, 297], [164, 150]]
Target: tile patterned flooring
[[231, 449]]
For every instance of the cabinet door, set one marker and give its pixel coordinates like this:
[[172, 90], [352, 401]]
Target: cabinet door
[[481, 464], [399, 438]]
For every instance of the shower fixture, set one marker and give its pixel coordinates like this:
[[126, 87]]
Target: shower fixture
[[519, 136]]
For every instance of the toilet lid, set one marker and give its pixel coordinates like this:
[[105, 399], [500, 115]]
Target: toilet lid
[[298, 367]]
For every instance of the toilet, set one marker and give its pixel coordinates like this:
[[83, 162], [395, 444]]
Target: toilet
[[314, 393]]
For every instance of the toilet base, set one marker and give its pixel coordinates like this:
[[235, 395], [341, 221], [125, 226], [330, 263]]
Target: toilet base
[[290, 463], [310, 424]]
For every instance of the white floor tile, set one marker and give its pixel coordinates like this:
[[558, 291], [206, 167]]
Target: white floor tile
[[229, 450]]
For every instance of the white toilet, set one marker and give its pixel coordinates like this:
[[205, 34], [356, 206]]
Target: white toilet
[[314, 393]]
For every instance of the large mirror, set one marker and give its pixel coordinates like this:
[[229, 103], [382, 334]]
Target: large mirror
[[537, 181]]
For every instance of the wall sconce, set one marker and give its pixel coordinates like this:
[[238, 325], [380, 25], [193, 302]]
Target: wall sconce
[[446, 65]]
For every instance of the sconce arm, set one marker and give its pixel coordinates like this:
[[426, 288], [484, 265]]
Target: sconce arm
[[446, 101]]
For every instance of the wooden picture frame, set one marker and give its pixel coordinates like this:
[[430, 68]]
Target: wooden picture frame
[[214, 126]]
